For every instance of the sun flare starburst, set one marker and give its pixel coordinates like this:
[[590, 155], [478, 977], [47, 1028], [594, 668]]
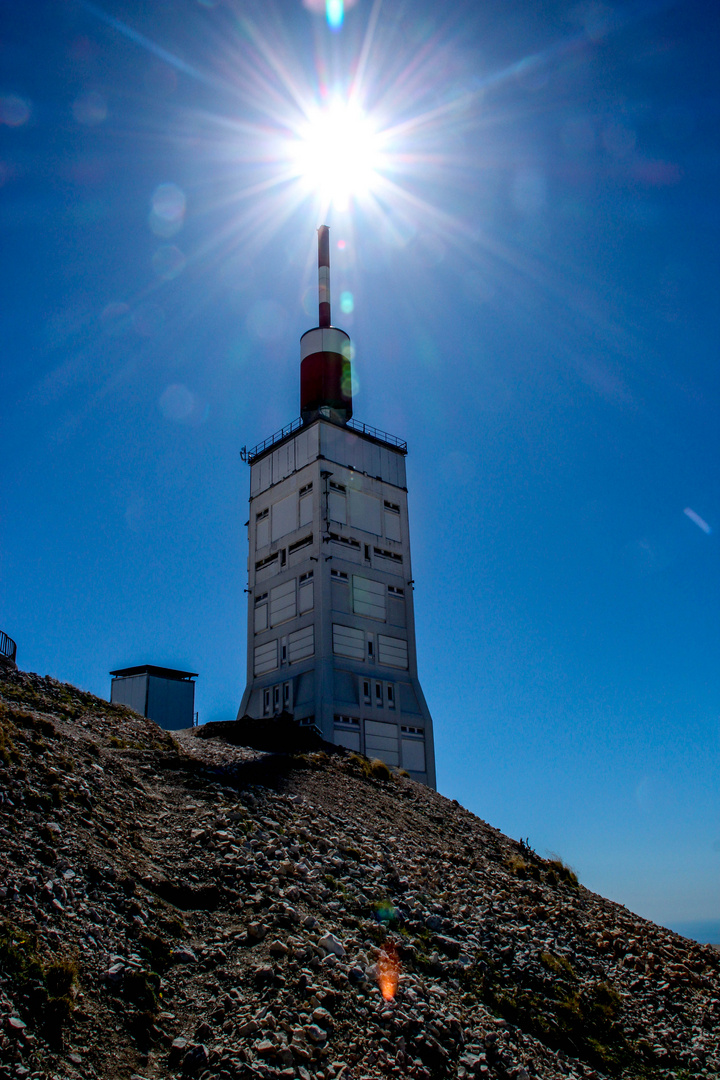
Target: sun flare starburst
[[361, 129], [337, 154]]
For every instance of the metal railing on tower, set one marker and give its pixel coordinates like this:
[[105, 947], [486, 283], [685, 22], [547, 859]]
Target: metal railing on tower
[[354, 425]]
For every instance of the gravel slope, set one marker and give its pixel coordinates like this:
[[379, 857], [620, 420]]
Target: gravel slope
[[180, 906]]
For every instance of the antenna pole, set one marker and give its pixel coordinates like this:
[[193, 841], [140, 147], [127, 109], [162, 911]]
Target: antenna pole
[[324, 276]]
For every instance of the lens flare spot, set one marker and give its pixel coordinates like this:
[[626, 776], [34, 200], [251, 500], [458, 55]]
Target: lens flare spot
[[167, 214], [388, 972], [349, 384], [334, 13], [168, 261], [320, 7], [698, 520], [14, 110], [347, 304], [177, 402], [386, 912], [341, 245]]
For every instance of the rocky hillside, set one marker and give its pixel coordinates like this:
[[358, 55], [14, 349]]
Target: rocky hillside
[[182, 906]]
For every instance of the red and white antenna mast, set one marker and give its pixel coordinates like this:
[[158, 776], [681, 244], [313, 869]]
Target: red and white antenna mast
[[325, 368], [324, 276]]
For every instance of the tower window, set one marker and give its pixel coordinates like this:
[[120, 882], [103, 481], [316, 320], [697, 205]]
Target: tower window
[[304, 541], [262, 563], [384, 554], [379, 695], [391, 696], [392, 521], [266, 701], [286, 695], [369, 597], [349, 540], [306, 592], [276, 697], [261, 617], [366, 691], [262, 528], [348, 641], [347, 721], [370, 649], [304, 490]]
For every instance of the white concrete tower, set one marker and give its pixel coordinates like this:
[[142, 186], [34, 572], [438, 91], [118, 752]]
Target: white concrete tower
[[331, 626]]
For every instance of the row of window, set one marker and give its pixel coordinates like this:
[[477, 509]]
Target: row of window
[[354, 722], [356, 508], [380, 739], [358, 644], [351, 543], [383, 693], [276, 698], [284, 602], [371, 599], [348, 641], [363, 511], [280, 696], [278, 559], [297, 646]]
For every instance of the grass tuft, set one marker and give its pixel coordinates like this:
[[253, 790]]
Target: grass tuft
[[374, 769], [378, 770], [560, 874], [60, 977], [559, 965]]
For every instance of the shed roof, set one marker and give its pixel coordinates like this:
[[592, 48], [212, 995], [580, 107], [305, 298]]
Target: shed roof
[[160, 672]]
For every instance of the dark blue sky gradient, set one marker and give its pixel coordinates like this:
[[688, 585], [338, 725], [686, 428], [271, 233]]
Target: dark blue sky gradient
[[535, 310]]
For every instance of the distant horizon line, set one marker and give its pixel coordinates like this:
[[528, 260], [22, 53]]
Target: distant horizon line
[[704, 931]]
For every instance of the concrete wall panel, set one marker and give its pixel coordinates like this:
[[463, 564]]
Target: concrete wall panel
[[171, 702], [130, 690]]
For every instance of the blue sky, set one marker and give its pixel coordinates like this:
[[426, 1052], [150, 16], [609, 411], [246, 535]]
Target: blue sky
[[533, 278]]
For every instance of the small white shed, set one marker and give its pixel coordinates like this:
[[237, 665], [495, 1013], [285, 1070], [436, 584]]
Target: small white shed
[[163, 694]]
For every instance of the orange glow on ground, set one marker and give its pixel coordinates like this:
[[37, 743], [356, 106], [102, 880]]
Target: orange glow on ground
[[388, 969]]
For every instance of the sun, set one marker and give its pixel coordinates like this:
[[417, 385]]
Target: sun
[[337, 154]]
